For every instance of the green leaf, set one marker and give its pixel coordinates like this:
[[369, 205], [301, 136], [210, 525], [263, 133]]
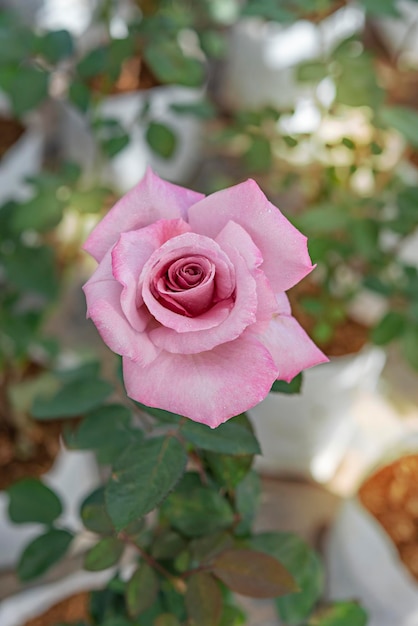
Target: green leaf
[[232, 616], [204, 109], [365, 234], [166, 619], [389, 327], [324, 218], [72, 400], [168, 545], [79, 95], [32, 270], [303, 563], [104, 554], [205, 548], [32, 501], [160, 414], [41, 213], [170, 65], [161, 139], [43, 552], [403, 120], [56, 45], [228, 438], [340, 614], [357, 85], [107, 430], [112, 146], [258, 157], [381, 7], [28, 90], [247, 496], [93, 63], [203, 600], [228, 470], [94, 515], [312, 71], [141, 590], [252, 573], [143, 477], [267, 9], [410, 345], [198, 512], [295, 385]]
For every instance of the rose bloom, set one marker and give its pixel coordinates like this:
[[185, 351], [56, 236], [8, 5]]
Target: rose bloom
[[190, 291]]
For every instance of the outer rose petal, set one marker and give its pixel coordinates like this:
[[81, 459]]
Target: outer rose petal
[[290, 347], [129, 256], [150, 200], [103, 293], [209, 387], [283, 247]]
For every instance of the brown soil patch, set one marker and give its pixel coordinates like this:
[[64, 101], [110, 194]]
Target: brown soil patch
[[349, 336], [44, 446], [68, 611], [134, 76], [391, 496], [10, 131]]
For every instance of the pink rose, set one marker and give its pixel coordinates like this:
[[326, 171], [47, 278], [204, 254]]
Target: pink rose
[[190, 291]]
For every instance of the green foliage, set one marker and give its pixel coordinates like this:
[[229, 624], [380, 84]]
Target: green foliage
[[281, 386], [32, 501], [107, 430], [141, 590], [304, 564], [43, 552], [203, 600], [161, 139], [142, 478], [104, 554], [228, 438], [73, 399], [403, 120], [340, 614], [197, 511], [252, 573], [94, 514]]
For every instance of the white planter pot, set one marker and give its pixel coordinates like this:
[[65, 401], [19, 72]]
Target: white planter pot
[[363, 563], [263, 57], [23, 159], [16, 610], [400, 35], [307, 434], [73, 475], [129, 165]]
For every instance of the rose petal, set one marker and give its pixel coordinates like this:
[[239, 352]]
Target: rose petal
[[291, 348], [246, 310], [103, 294], [209, 387], [183, 246], [129, 255], [150, 200], [283, 247]]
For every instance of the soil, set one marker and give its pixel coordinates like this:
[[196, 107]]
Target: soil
[[10, 131], [391, 496], [349, 336], [70, 610], [135, 75], [44, 441]]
